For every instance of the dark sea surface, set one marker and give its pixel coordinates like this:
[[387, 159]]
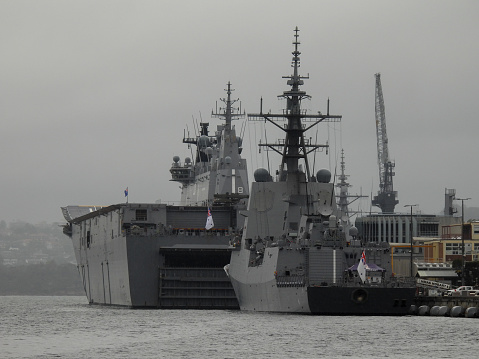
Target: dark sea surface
[[67, 327]]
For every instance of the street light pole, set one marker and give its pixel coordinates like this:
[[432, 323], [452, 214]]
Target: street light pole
[[410, 234], [463, 267]]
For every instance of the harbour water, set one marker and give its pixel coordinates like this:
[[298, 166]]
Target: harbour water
[[67, 327]]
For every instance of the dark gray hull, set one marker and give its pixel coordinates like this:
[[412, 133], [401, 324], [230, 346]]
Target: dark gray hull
[[360, 300]]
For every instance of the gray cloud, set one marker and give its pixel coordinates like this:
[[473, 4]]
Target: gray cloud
[[94, 96]]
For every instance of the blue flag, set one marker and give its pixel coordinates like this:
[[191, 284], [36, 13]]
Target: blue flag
[[126, 192]]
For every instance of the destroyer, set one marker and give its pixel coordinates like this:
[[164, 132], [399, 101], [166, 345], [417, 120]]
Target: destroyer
[[157, 255], [294, 254]]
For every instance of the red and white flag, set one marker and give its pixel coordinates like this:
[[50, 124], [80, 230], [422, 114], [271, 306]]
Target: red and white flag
[[209, 221], [362, 267]]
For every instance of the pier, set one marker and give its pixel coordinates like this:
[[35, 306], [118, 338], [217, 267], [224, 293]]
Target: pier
[[455, 306]]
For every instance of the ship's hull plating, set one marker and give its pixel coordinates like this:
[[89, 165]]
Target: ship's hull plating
[[266, 297], [143, 255], [360, 300], [137, 272], [259, 288], [124, 275]]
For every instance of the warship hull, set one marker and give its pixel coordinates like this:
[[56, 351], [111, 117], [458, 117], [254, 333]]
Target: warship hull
[[267, 288], [267, 297], [325, 300], [154, 256], [360, 300]]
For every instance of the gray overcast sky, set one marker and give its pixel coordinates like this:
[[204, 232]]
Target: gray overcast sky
[[94, 95]]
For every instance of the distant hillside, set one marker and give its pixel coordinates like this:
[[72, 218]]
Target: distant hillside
[[40, 279], [23, 243]]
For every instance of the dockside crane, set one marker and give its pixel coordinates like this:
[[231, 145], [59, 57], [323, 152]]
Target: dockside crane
[[386, 198]]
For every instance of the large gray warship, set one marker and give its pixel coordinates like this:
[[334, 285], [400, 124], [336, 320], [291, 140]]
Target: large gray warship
[[162, 256], [295, 254]]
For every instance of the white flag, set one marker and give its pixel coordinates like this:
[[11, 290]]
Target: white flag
[[362, 267], [209, 221]]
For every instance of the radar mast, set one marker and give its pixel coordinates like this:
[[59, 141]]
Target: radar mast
[[294, 146]]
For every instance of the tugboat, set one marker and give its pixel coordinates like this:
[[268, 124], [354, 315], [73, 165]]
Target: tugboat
[[163, 256], [295, 255]]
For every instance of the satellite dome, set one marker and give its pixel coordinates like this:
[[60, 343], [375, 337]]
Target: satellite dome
[[176, 159], [228, 160], [262, 175], [353, 231], [187, 160], [323, 176]]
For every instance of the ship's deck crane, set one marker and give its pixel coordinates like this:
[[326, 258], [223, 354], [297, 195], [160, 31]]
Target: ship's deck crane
[[386, 198]]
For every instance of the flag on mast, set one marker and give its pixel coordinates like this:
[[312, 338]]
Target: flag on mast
[[362, 267], [126, 194], [209, 220]]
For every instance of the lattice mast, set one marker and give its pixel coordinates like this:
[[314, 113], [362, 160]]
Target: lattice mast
[[295, 146], [344, 198], [387, 197]]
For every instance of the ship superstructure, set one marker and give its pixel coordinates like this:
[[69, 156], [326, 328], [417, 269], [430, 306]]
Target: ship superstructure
[[162, 256], [344, 198], [294, 255], [218, 173]]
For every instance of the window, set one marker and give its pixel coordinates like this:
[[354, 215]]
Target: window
[[141, 214]]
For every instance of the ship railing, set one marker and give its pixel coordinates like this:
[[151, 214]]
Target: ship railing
[[151, 231], [384, 283], [188, 273], [402, 281]]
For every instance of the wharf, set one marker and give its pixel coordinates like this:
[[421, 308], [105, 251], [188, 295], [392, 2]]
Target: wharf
[[463, 301], [455, 306]]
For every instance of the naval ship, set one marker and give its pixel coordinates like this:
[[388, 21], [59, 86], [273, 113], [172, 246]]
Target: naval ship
[[163, 256], [295, 254]]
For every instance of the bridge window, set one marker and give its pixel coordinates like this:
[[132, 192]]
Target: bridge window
[[141, 214]]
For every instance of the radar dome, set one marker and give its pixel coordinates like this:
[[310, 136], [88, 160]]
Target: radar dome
[[176, 159], [353, 231], [228, 160], [332, 221], [323, 176], [187, 160], [262, 175]]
